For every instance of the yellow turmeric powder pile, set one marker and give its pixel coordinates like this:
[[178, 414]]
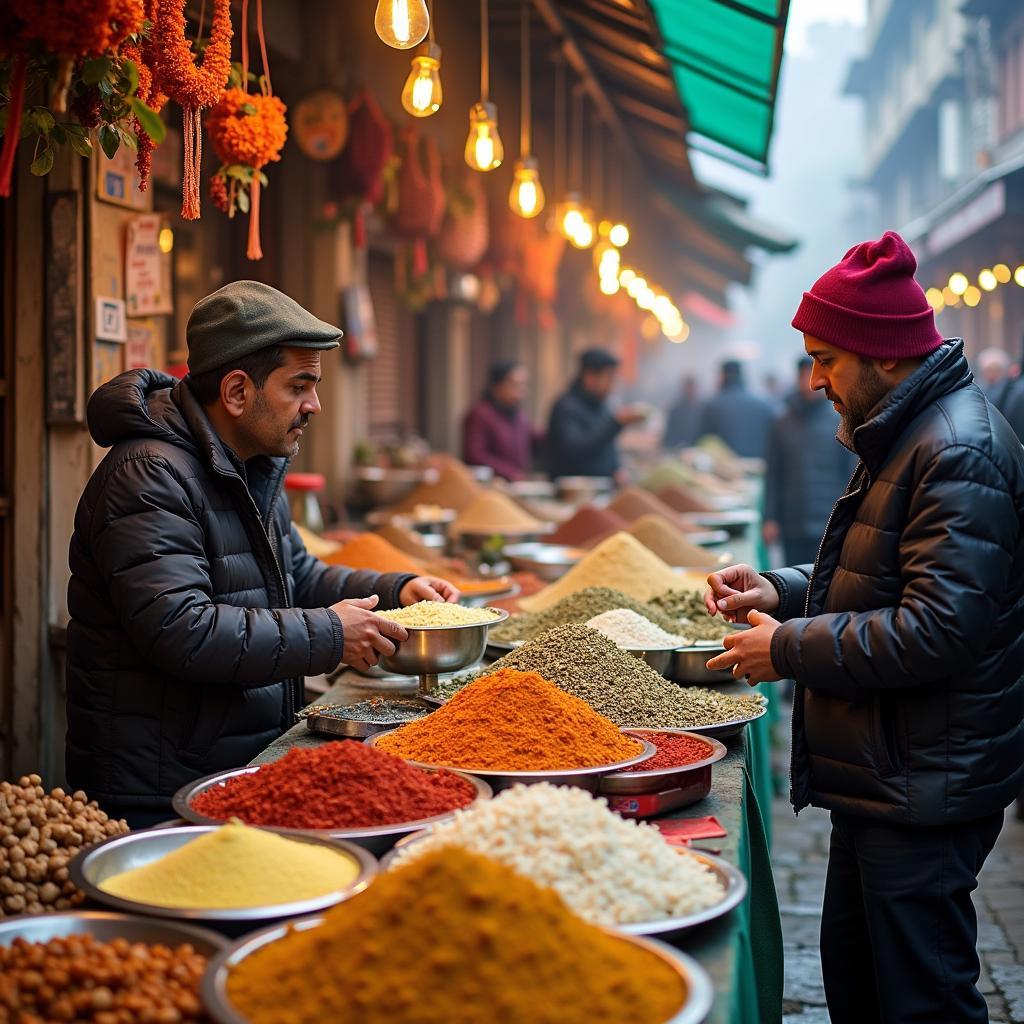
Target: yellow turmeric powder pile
[[512, 721], [454, 938], [236, 866]]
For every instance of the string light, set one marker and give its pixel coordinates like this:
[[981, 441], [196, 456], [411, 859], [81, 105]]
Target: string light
[[1002, 272], [972, 296], [484, 148], [935, 299], [958, 283], [422, 95], [402, 24], [526, 197], [988, 281], [1018, 275]]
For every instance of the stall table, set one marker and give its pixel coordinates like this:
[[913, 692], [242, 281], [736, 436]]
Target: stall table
[[743, 951]]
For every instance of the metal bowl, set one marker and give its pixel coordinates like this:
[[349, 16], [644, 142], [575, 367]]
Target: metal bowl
[[735, 523], [530, 488], [320, 720], [473, 540], [380, 486], [657, 779], [582, 488], [430, 526], [377, 839], [548, 561], [732, 727], [106, 926], [659, 658], [583, 778], [707, 538], [431, 650], [696, 982], [94, 865], [504, 588], [689, 665]]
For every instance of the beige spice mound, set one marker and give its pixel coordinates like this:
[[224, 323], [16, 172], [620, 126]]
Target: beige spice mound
[[668, 542], [494, 512], [621, 562]]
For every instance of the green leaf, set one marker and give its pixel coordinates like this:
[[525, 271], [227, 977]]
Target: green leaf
[[94, 71], [239, 171], [149, 119], [75, 129], [131, 71], [60, 136], [43, 163], [247, 108], [80, 144], [42, 119], [127, 138], [110, 142], [264, 180], [243, 200]]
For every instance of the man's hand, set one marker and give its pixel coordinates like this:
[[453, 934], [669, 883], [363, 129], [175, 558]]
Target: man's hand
[[429, 588], [367, 636], [738, 589], [748, 652]]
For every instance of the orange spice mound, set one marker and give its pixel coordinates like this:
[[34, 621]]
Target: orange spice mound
[[368, 551], [512, 721], [247, 129]]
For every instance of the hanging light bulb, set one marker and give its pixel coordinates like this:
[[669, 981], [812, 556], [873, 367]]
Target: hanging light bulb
[[958, 283], [626, 275], [570, 215], [526, 197], [988, 280], [609, 285], [402, 24], [422, 95], [1002, 272], [484, 149], [586, 231], [618, 235]]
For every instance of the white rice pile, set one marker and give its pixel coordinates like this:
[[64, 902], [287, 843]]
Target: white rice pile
[[608, 869], [631, 631]]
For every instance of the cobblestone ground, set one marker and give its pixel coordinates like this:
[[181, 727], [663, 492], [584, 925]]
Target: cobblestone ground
[[800, 853]]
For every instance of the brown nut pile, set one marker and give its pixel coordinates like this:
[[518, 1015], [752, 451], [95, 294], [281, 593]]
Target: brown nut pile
[[80, 978], [39, 834]]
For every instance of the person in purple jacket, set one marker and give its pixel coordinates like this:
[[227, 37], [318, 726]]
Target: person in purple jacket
[[496, 431]]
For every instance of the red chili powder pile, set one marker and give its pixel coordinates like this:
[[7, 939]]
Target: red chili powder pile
[[673, 752], [341, 784], [588, 524]]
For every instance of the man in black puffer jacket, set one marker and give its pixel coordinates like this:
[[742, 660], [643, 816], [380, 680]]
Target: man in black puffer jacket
[[196, 610], [906, 641]]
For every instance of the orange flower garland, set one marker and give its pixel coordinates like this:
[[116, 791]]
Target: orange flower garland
[[190, 86], [248, 132]]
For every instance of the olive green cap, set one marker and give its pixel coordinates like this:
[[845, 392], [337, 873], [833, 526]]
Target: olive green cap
[[246, 316]]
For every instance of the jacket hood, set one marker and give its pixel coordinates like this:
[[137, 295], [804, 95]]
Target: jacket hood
[[943, 372], [137, 404]]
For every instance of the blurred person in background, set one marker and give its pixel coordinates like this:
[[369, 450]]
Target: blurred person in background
[[683, 416], [994, 376], [496, 431], [807, 471], [583, 427], [773, 391], [1013, 401], [737, 416]]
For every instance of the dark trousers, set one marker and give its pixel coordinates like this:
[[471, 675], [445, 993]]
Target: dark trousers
[[898, 928]]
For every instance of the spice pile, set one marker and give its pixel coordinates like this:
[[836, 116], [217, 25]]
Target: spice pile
[[634, 503], [430, 614], [633, 632], [455, 487], [84, 980], [668, 542], [454, 938], [39, 834], [512, 721], [368, 551], [376, 710], [683, 500], [335, 786], [621, 562], [492, 512], [609, 870], [407, 541], [687, 608], [674, 751], [587, 526], [579, 607], [624, 689], [236, 866]]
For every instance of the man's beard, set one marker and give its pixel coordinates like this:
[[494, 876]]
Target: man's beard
[[864, 395], [263, 418]]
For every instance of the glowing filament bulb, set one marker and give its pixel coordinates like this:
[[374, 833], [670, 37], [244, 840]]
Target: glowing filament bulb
[[526, 197], [422, 95], [484, 149], [402, 24]]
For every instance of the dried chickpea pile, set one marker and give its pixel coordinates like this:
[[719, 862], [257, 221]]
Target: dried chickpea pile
[[39, 834], [80, 978]]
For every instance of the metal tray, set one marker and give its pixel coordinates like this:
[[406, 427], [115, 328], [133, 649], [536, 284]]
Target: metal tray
[[735, 522], [658, 779], [377, 839], [548, 561], [707, 538], [90, 868], [106, 926], [696, 982], [502, 591], [583, 778], [354, 728], [723, 730]]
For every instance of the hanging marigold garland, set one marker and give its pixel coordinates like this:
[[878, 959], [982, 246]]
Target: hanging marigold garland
[[248, 131], [145, 58], [193, 87]]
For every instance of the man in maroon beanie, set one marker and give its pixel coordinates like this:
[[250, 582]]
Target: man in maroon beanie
[[906, 642]]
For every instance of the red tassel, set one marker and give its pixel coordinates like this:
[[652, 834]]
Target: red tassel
[[193, 131], [254, 251], [10, 146], [359, 228], [420, 263]]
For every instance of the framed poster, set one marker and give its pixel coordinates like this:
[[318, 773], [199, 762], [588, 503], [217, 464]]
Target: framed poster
[[117, 180], [63, 322], [110, 319], [145, 281], [143, 344]]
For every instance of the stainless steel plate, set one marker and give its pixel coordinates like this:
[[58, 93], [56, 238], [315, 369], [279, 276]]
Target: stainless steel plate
[[707, 538], [735, 522], [696, 1006], [548, 561], [377, 839], [657, 779], [106, 926], [431, 650], [583, 778], [733, 727], [94, 865]]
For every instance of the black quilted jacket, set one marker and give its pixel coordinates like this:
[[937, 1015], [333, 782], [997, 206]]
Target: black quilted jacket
[[907, 640], [195, 608]]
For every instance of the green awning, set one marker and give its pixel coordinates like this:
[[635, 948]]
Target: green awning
[[725, 56]]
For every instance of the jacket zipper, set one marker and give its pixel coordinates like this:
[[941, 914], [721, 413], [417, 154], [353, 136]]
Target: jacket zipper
[[807, 611]]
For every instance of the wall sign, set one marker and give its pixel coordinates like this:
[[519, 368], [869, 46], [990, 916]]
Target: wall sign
[[146, 284], [110, 319], [117, 180]]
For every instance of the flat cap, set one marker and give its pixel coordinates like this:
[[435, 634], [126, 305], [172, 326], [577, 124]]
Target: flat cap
[[246, 316]]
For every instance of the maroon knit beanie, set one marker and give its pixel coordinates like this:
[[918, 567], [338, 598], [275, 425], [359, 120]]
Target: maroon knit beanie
[[870, 304]]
